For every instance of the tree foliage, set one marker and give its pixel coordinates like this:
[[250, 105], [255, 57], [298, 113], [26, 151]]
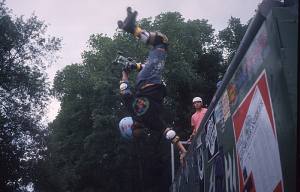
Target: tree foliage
[[23, 95], [84, 149], [230, 38]]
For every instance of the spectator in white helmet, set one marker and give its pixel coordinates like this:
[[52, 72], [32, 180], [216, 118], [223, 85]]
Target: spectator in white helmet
[[197, 117]]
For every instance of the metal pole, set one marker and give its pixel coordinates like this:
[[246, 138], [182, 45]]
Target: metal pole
[[172, 158], [172, 162]]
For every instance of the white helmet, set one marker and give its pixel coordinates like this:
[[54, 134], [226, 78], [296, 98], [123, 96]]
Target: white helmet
[[197, 99], [125, 127]]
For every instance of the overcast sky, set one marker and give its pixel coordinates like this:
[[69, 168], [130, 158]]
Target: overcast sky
[[75, 20]]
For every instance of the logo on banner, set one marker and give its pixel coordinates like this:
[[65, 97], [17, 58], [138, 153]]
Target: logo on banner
[[141, 105]]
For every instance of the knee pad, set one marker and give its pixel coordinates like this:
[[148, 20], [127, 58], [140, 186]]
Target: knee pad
[[158, 38], [170, 135], [161, 38]]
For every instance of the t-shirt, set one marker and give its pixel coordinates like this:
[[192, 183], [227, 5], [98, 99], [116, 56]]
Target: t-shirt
[[197, 118], [146, 106]]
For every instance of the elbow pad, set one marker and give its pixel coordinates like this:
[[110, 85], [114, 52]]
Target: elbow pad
[[124, 88]]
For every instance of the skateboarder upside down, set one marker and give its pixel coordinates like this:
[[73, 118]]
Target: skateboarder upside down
[[145, 107]]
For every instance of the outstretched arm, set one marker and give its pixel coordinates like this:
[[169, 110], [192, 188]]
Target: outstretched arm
[[174, 138], [125, 92], [124, 76]]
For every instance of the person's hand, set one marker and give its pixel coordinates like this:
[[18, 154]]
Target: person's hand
[[189, 141], [129, 24], [191, 138], [129, 67]]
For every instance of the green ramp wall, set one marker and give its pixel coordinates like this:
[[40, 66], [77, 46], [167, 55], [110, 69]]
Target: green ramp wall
[[247, 140]]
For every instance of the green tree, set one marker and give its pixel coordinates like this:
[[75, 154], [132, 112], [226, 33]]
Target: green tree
[[192, 67], [24, 91], [230, 38], [84, 145]]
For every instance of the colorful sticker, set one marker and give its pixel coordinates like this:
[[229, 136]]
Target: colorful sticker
[[218, 112], [200, 163], [256, 141], [199, 167], [225, 106], [256, 52], [211, 138], [222, 111], [140, 105], [250, 64], [232, 93]]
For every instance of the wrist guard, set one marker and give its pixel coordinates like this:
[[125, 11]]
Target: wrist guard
[[132, 66]]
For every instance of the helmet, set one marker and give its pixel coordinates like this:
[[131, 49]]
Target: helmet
[[125, 127], [197, 99]]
